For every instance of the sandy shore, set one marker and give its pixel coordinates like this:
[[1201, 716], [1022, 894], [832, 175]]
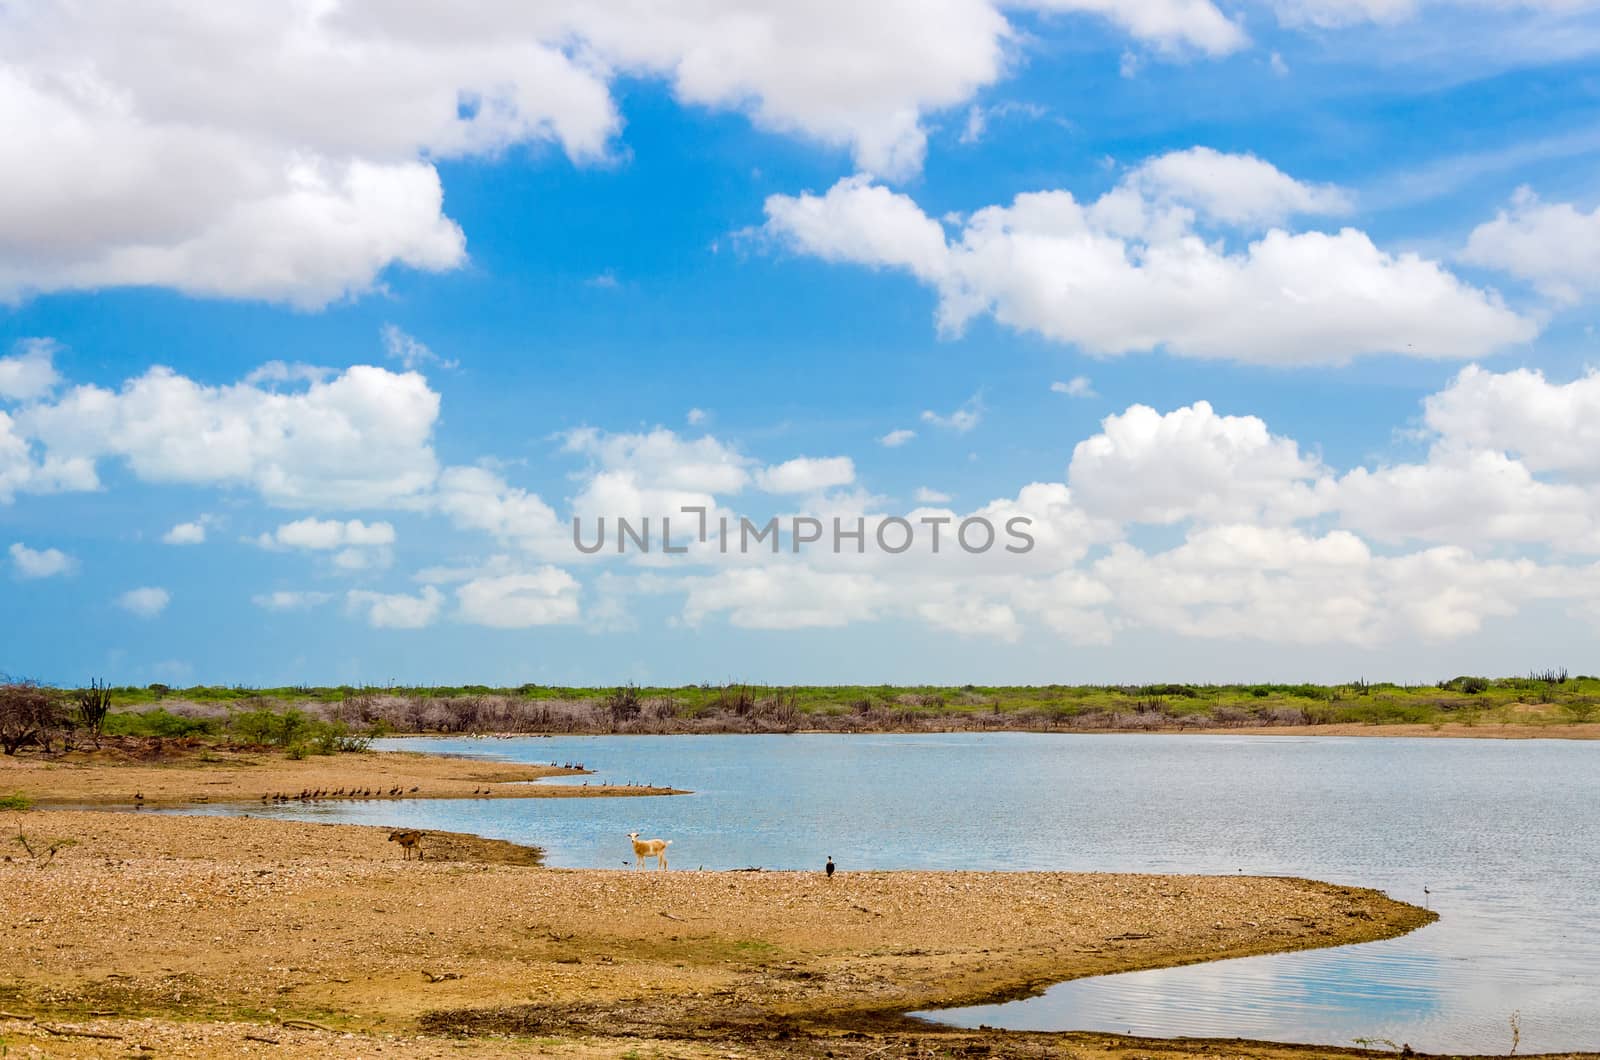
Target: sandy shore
[[120, 777], [188, 933]]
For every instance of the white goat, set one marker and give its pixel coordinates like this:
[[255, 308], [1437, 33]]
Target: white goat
[[649, 848]]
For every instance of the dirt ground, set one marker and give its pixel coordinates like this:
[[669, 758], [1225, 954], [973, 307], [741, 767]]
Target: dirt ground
[[175, 775], [188, 934]]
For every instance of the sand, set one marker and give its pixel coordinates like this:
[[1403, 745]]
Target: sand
[[122, 777], [188, 933]]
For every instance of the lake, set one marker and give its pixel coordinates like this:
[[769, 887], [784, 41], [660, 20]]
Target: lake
[[1503, 834]]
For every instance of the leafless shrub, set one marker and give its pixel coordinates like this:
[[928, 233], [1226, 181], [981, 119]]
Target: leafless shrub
[[29, 716]]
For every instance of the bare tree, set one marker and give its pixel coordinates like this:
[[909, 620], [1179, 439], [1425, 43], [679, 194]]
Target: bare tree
[[29, 715]]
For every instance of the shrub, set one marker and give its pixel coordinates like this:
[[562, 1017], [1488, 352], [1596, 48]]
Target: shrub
[[158, 722], [18, 801], [90, 707], [29, 715], [1580, 710], [624, 704]]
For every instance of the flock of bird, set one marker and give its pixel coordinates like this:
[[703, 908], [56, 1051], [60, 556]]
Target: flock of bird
[[308, 795]]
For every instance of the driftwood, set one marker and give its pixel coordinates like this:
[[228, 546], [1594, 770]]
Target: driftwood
[[71, 1032]]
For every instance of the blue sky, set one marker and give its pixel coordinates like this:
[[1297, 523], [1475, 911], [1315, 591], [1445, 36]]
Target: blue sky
[[322, 322]]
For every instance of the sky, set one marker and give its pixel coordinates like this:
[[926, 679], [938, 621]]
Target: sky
[[322, 322]]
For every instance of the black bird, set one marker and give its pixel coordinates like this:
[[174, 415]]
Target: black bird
[[828, 868]]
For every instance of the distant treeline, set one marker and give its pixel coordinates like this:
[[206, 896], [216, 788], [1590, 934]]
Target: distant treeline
[[323, 717]]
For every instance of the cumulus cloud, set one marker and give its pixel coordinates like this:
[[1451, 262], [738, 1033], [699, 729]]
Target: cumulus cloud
[[1469, 498], [145, 602], [190, 533], [24, 471], [784, 596], [1554, 246], [924, 495], [1549, 426], [362, 438], [396, 610], [1234, 189], [479, 499], [543, 597], [30, 372], [323, 535], [807, 474], [306, 166], [1191, 463], [40, 563], [1129, 271]]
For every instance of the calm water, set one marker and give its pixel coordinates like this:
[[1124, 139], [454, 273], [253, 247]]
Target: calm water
[[1504, 834]]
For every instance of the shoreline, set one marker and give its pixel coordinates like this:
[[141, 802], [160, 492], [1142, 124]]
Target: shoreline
[[205, 775], [1397, 731], [327, 923]]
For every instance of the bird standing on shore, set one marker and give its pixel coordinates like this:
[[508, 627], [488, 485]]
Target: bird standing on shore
[[828, 868]]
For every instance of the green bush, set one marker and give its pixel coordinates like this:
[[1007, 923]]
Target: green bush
[[159, 722], [15, 802]]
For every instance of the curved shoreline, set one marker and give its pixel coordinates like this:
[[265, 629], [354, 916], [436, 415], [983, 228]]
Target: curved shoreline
[[327, 923]]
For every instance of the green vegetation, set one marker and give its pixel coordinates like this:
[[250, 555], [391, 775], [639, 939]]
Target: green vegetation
[[15, 802], [326, 720]]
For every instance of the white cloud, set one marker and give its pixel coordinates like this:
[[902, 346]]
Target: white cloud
[[807, 474], [1554, 246], [664, 459], [863, 223], [924, 495], [1329, 14], [962, 420], [396, 610], [1234, 189], [22, 472], [543, 597], [478, 499], [1549, 426], [784, 596], [1147, 467], [1130, 272], [146, 602], [1171, 25], [323, 535], [40, 563], [190, 533], [303, 164], [896, 438], [1077, 386], [412, 354], [361, 439], [290, 600], [695, 417], [1469, 498], [29, 373]]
